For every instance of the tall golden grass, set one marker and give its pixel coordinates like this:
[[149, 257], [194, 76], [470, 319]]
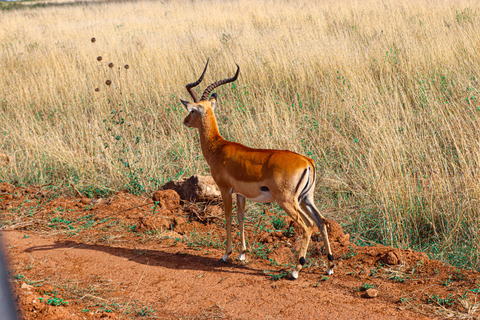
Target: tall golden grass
[[382, 94]]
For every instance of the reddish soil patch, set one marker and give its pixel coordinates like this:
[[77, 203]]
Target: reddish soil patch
[[90, 259]]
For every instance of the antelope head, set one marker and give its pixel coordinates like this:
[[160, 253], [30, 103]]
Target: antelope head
[[202, 109]]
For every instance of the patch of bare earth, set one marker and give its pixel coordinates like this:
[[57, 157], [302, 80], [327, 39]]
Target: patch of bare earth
[[123, 257]]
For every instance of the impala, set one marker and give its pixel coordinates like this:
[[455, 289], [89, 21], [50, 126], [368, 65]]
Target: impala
[[260, 175]]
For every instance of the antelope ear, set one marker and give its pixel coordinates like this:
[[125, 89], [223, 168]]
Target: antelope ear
[[188, 105], [213, 100]]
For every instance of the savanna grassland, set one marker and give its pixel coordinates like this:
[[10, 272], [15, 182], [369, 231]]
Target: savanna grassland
[[383, 95]]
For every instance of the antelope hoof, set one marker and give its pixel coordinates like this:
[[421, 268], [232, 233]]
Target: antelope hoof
[[294, 274], [224, 258], [330, 271], [241, 257]]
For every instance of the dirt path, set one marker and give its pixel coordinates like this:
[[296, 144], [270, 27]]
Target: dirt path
[[179, 282], [75, 259]]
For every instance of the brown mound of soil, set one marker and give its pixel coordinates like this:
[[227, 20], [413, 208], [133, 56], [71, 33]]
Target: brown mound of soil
[[336, 234], [167, 199]]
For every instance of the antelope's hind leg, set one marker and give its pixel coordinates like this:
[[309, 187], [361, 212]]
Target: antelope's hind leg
[[297, 214], [308, 205]]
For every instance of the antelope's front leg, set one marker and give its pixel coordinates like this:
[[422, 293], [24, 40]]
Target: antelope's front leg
[[240, 217], [227, 202]]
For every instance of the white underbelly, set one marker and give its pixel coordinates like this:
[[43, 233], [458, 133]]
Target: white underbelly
[[265, 197]]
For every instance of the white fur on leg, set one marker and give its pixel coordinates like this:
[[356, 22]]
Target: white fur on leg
[[329, 271], [241, 256], [225, 257], [294, 274]]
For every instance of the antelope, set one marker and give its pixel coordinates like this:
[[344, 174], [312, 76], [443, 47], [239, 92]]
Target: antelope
[[260, 175]]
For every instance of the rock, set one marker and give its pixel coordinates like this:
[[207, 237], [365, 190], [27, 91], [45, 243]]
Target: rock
[[86, 201], [167, 199], [195, 189], [371, 293], [391, 258], [97, 201], [26, 286]]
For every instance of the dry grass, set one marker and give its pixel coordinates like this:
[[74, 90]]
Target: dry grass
[[383, 95]]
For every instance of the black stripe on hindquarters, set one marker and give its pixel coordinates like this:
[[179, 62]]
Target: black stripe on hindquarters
[[307, 187], [301, 179]]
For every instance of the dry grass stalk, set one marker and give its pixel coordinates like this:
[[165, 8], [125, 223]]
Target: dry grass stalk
[[384, 96]]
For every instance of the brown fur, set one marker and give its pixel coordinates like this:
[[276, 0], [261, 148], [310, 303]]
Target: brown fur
[[243, 170]]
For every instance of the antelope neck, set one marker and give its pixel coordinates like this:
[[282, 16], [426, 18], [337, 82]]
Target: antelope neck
[[210, 138]]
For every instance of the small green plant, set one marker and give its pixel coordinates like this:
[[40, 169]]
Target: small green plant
[[448, 282], [289, 232], [404, 300], [458, 275], [278, 276], [225, 38], [441, 301], [261, 251], [365, 286], [145, 312], [278, 223], [418, 266], [352, 253], [57, 222], [19, 277], [203, 240], [374, 271], [476, 290], [397, 279], [156, 205], [53, 300], [273, 262]]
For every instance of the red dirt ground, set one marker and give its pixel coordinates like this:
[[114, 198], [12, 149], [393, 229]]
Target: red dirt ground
[[112, 263]]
